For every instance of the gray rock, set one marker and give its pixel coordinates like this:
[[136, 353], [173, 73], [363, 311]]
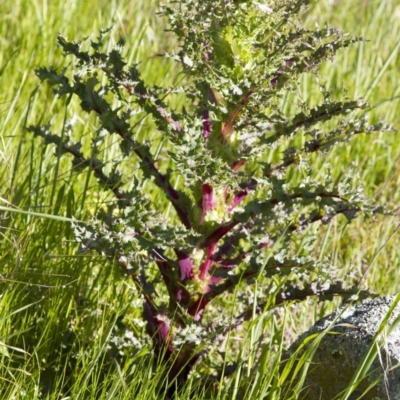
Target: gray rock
[[338, 355]]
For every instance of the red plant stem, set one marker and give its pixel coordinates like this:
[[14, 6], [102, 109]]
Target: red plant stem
[[161, 180], [163, 183], [228, 126], [237, 199], [205, 267], [215, 236], [206, 124], [208, 203], [185, 265], [197, 309], [144, 96]]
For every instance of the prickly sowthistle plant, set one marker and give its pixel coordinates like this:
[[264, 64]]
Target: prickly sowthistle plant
[[234, 167]]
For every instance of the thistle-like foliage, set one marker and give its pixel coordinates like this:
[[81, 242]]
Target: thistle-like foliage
[[238, 173]]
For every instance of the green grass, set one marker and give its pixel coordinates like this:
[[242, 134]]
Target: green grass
[[62, 311], [370, 68]]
